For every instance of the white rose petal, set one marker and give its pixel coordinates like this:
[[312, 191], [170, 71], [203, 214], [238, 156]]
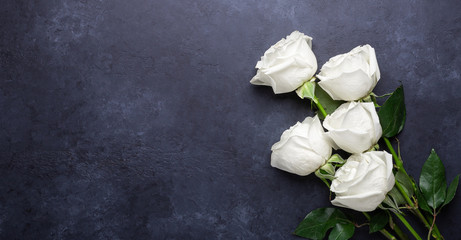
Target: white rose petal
[[354, 127], [363, 181], [350, 76], [286, 65], [302, 149]]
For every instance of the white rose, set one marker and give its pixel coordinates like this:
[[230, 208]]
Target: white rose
[[302, 149], [350, 76], [363, 181], [354, 126], [286, 65]]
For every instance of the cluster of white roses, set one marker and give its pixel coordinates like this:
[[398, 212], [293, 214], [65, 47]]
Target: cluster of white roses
[[366, 177]]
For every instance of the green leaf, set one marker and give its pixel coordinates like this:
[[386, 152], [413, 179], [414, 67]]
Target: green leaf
[[406, 183], [316, 224], [327, 102], [392, 114], [390, 202], [378, 221], [451, 191], [342, 231], [397, 197], [422, 203], [433, 182]]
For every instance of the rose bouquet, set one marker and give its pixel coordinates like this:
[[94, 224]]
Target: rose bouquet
[[358, 174]]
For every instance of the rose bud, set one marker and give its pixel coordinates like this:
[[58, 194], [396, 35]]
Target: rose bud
[[350, 76], [286, 65], [354, 127], [363, 181], [302, 149]]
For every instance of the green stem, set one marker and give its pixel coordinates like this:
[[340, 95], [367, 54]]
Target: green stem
[[422, 218], [435, 230], [409, 227], [367, 215], [399, 164], [432, 227], [399, 232], [407, 198], [387, 234], [320, 107], [383, 231], [397, 160], [416, 211], [326, 182]]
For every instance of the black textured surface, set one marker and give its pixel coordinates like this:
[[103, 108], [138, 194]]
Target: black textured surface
[[136, 119]]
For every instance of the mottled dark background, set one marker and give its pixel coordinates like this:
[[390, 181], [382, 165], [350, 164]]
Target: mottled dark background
[[136, 119]]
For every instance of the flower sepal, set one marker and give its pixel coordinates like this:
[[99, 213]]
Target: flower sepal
[[328, 170], [307, 90]]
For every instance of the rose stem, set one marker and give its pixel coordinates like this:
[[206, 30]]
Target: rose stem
[[400, 232], [320, 107], [326, 182], [404, 221], [387, 234], [418, 213], [398, 161], [382, 231]]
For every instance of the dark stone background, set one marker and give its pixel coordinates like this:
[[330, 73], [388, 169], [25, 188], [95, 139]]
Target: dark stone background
[[136, 119]]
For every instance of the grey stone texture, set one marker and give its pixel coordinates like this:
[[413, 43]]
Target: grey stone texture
[[136, 119]]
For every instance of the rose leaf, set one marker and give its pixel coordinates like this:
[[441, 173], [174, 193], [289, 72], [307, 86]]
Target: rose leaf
[[406, 182], [451, 191], [342, 231], [327, 102], [422, 203], [378, 221], [433, 182], [316, 224], [393, 113]]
